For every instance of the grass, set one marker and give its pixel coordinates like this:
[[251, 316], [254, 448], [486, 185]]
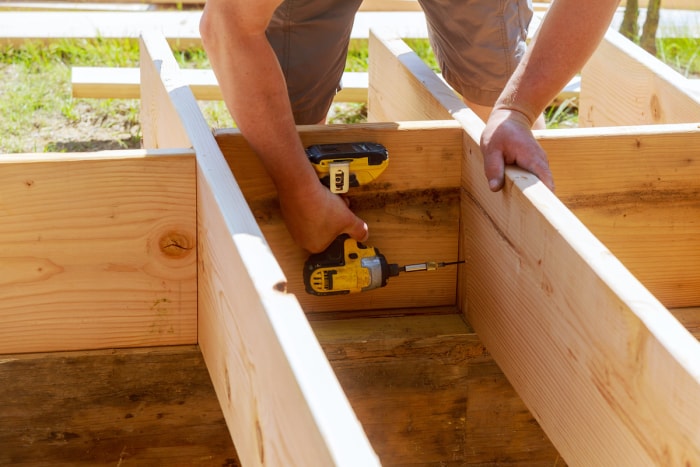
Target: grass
[[39, 113], [683, 54]]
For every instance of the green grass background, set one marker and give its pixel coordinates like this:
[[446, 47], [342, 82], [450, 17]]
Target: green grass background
[[35, 89]]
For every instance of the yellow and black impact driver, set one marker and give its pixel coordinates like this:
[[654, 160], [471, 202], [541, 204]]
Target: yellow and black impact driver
[[348, 266], [344, 165]]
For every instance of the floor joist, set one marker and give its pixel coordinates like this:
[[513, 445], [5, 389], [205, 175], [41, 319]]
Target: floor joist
[[281, 399], [584, 343], [624, 85]]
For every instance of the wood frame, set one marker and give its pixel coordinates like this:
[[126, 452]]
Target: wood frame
[[242, 303], [624, 85], [580, 338], [602, 377]]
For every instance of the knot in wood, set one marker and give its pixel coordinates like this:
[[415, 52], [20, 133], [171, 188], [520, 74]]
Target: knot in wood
[[175, 244]]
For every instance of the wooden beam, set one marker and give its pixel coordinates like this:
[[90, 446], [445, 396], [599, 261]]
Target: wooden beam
[[428, 393], [411, 209], [391, 99], [580, 338], [181, 28], [98, 250], [254, 337], [124, 83], [624, 85], [144, 406], [636, 189]]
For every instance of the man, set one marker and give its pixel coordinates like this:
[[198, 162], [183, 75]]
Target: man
[[279, 64]]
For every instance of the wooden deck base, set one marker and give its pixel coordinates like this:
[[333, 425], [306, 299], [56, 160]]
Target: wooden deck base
[[157, 405]]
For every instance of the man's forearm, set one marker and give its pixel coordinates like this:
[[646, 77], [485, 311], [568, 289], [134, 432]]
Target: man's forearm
[[565, 40], [254, 89]]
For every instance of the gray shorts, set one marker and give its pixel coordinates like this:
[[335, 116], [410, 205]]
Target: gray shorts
[[477, 43]]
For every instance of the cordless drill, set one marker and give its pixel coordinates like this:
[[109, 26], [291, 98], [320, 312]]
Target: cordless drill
[[348, 266]]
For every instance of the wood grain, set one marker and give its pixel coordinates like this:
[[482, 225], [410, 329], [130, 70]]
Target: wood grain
[[97, 250], [638, 190], [623, 85], [411, 209], [152, 406], [281, 401]]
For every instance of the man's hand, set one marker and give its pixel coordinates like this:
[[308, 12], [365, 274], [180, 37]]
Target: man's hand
[[507, 139], [315, 217]]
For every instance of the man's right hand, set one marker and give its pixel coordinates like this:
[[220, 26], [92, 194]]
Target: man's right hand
[[315, 217]]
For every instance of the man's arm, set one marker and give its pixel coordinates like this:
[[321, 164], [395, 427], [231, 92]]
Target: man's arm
[[254, 89], [569, 34]]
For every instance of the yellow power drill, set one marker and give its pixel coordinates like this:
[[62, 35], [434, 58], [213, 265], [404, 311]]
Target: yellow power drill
[[344, 165], [348, 266]]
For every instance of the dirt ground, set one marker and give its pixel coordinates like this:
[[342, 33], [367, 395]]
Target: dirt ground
[[90, 132]]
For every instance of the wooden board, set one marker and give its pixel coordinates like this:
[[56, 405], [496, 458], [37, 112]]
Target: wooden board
[[97, 250], [624, 85], [152, 406], [124, 83], [424, 387], [428, 393], [254, 336], [181, 28], [411, 209], [581, 340], [638, 190]]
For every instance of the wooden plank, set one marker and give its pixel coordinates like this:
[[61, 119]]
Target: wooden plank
[[254, 337], [392, 94], [689, 318], [637, 190], [624, 85], [411, 210], [181, 28], [97, 250], [153, 406], [581, 340], [428, 393], [124, 83]]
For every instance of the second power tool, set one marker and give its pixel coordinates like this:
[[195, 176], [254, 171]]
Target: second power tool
[[348, 266]]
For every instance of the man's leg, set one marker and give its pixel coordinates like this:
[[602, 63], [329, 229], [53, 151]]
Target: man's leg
[[478, 44], [310, 38]]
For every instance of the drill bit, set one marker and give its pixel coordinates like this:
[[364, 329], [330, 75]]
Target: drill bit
[[427, 266]]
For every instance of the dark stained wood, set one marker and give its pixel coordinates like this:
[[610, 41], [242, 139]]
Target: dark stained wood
[[123, 407], [428, 393], [424, 387]]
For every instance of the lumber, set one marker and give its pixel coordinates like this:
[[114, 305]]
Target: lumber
[[254, 337], [624, 85], [414, 199], [149, 406], [97, 250], [636, 189], [124, 83], [181, 28], [158, 405], [428, 393], [583, 342], [580, 338]]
